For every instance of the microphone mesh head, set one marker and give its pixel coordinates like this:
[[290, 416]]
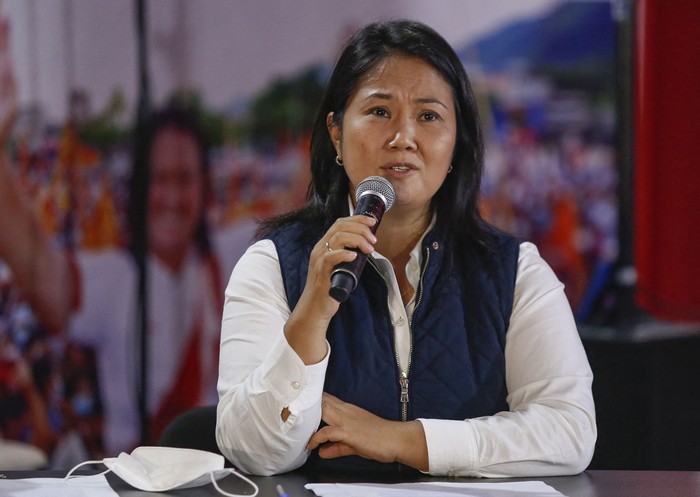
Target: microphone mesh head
[[378, 185]]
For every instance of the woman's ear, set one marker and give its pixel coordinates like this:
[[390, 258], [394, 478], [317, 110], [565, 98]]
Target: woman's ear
[[334, 132]]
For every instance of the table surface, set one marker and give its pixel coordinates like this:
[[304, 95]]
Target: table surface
[[594, 483]]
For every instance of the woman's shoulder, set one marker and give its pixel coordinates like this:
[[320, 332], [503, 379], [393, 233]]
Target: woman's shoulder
[[496, 246], [535, 276], [498, 239], [297, 226]]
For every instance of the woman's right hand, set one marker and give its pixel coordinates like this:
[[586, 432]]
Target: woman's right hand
[[39, 270], [306, 328]]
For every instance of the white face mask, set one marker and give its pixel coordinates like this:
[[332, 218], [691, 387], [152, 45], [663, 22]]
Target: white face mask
[[157, 469]]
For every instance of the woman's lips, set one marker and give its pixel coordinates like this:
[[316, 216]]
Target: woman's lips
[[401, 167]]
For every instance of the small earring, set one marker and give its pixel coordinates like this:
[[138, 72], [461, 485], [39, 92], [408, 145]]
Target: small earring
[[339, 161], [449, 170]]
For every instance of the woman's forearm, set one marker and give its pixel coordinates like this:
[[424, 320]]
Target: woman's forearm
[[40, 271]]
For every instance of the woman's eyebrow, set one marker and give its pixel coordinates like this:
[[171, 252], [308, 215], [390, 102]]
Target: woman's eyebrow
[[431, 100], [378, 94], [422, 100]]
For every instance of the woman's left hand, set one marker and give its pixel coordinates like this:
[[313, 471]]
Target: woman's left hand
[[352, 430]]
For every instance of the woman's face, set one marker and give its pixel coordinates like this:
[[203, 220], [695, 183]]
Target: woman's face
[[400, 124], [175, 199]]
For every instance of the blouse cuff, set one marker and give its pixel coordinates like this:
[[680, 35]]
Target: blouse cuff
[[291, 381], [452, 447]]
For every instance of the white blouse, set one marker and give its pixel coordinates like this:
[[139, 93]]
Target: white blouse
[[549, 428]]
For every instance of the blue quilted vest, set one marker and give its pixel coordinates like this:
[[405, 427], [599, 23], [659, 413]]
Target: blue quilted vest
[[458, 328]]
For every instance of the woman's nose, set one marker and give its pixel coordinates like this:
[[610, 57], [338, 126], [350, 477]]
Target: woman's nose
[[404, 136]]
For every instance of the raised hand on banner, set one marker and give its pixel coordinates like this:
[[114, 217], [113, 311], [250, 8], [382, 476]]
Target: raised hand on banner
[[8, 90], [24, 245]]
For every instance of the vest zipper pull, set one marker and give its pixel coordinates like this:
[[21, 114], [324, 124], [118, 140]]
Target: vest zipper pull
[[403, 381]]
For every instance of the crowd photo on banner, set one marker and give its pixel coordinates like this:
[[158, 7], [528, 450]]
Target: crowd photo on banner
[[71, 359]]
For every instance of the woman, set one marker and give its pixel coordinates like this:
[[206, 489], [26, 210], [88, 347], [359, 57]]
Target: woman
[[456, 354], [183, 277], [91, 296]]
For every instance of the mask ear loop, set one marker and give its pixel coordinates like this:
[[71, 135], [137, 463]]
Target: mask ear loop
[[233, 471], [70, 475]]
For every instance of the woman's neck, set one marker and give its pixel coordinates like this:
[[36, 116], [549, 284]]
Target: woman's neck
[[398, 234], [396, 238]]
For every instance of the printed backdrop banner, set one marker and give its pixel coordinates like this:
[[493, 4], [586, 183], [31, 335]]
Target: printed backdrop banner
[[234, 87]]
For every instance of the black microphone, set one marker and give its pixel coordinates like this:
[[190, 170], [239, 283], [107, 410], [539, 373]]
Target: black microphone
[[373, 197]]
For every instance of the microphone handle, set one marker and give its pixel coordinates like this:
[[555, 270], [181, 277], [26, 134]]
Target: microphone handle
[[343, 279], [345, 275]]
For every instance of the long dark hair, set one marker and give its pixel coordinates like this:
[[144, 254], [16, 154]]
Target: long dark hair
[[455, 203]]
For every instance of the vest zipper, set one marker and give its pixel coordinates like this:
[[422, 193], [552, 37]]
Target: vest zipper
[[403, 380], [420, 285], [403, 375]]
